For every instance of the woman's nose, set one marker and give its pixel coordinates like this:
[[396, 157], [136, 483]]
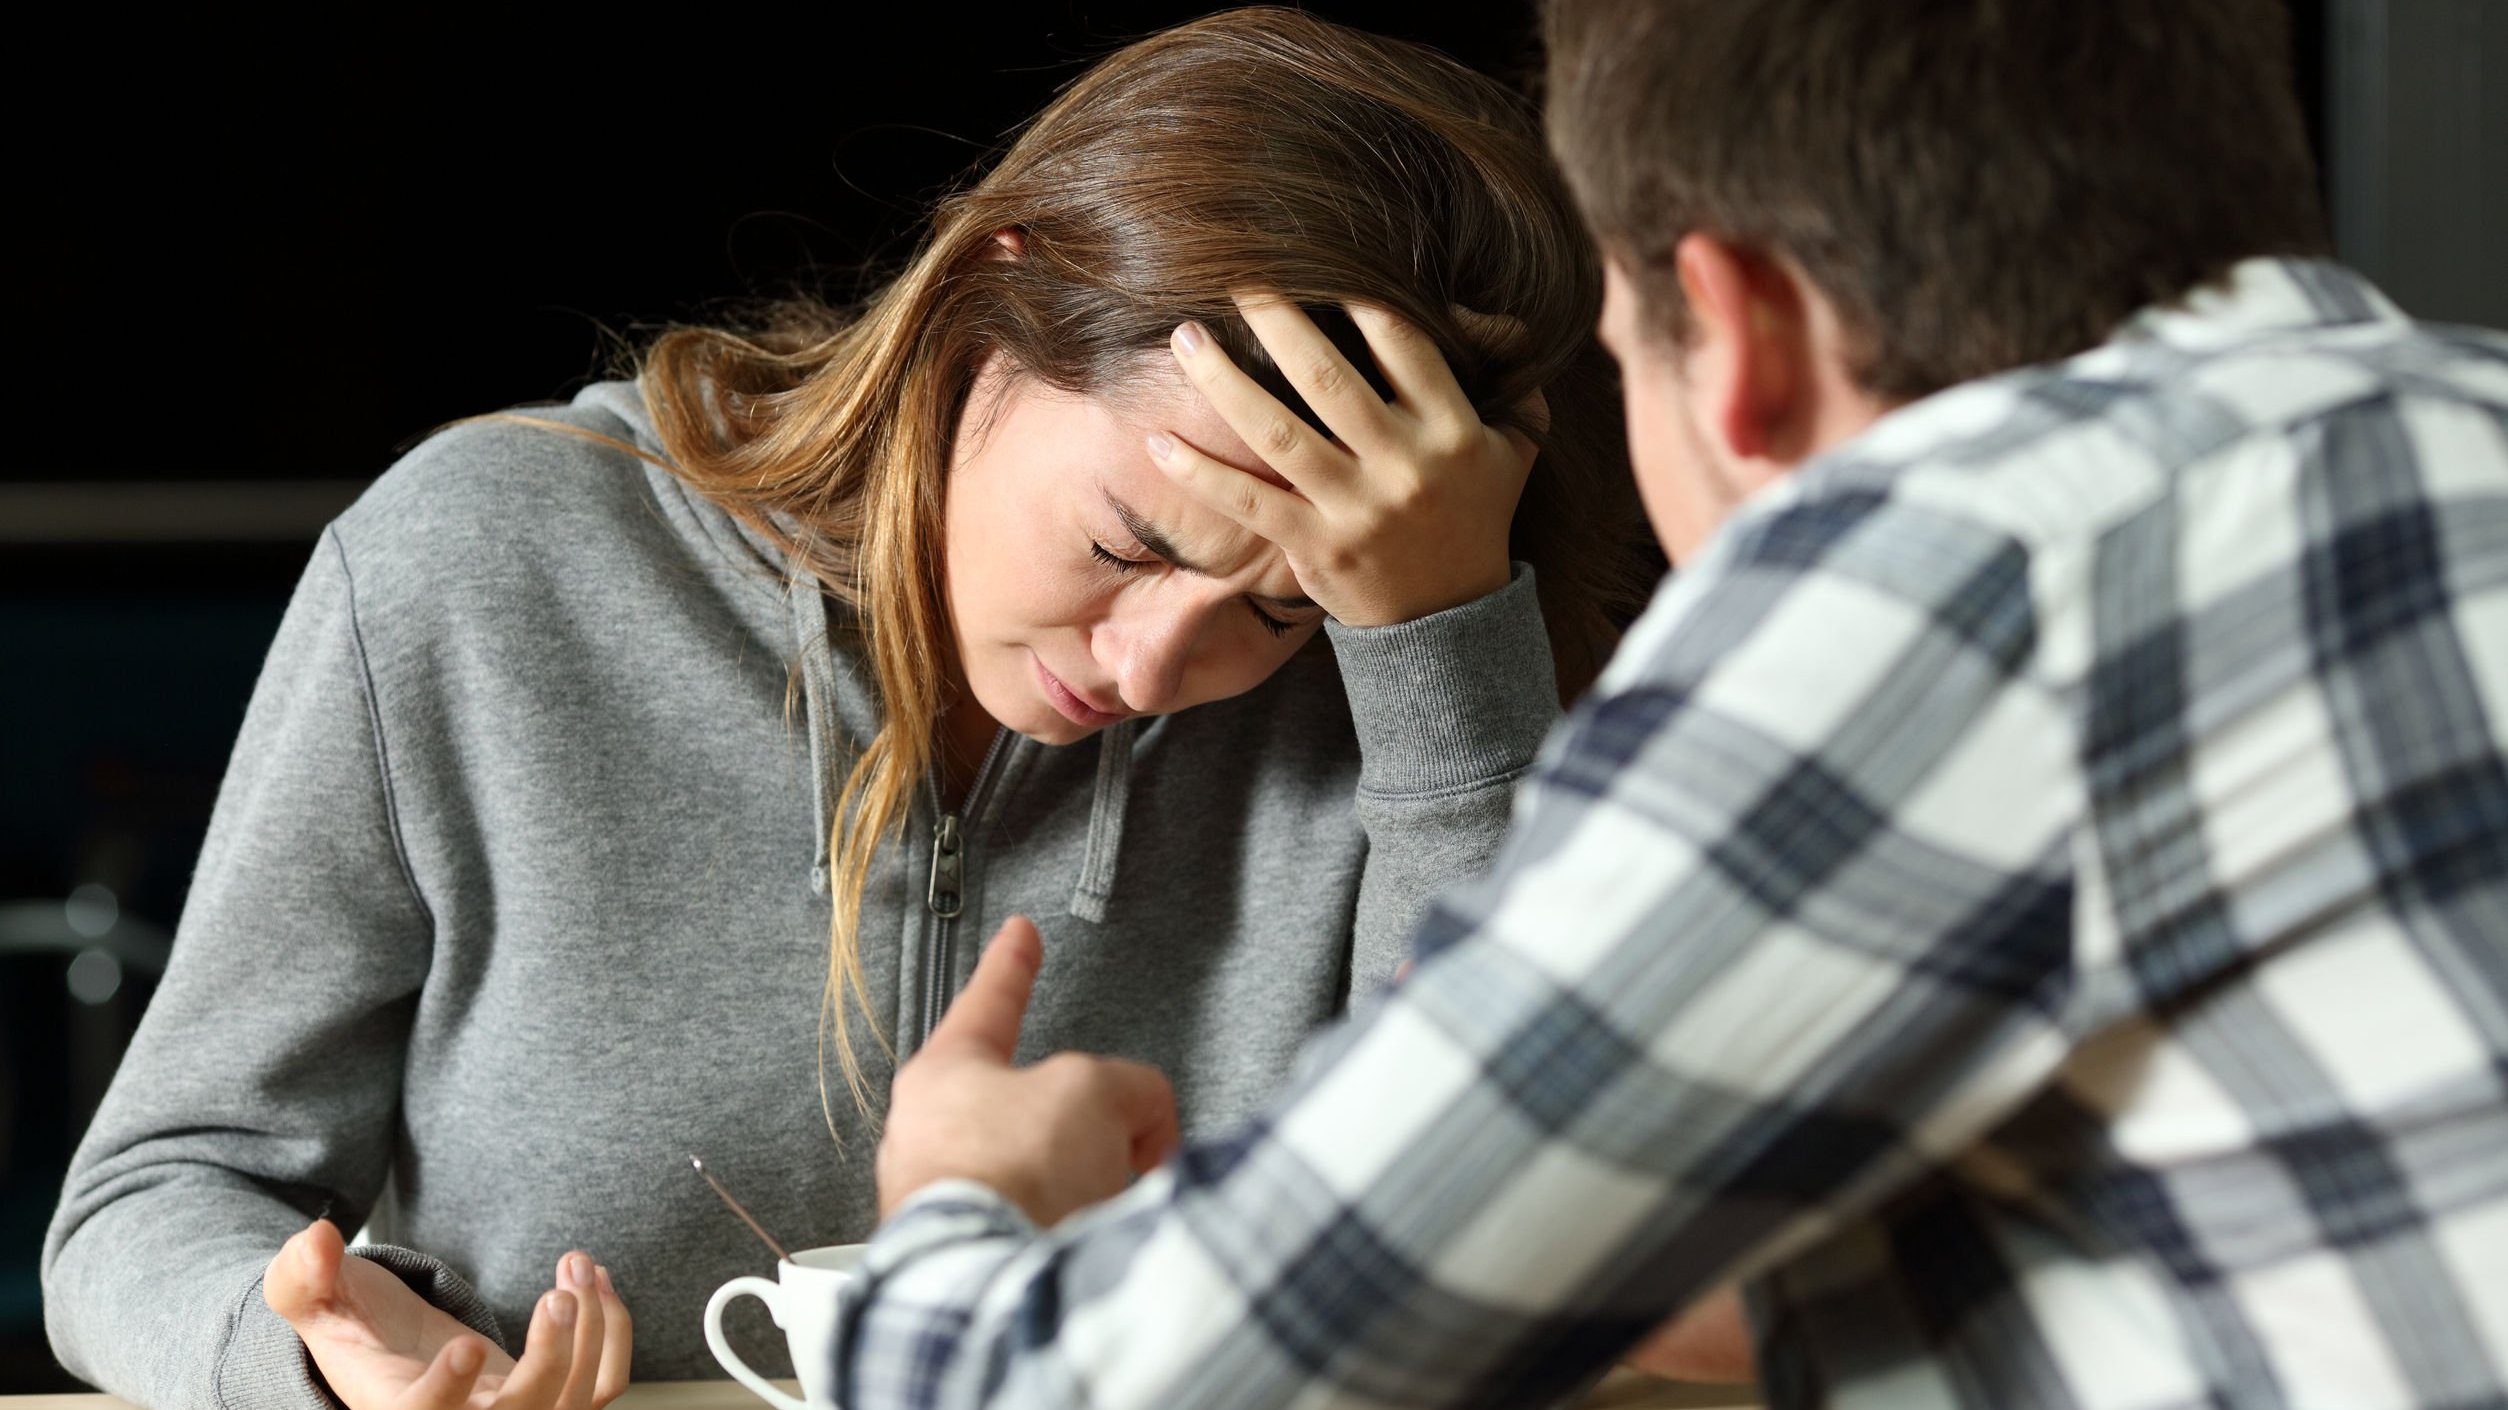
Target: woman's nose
[[1152, 647]]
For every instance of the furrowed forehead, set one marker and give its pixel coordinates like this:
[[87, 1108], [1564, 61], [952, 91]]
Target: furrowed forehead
[[1165, 543]]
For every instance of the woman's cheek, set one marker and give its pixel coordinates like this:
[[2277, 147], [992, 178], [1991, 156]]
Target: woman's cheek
[[1077, 598]]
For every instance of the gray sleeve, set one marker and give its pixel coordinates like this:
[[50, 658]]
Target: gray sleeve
[[263, 1082], [1450, 711]]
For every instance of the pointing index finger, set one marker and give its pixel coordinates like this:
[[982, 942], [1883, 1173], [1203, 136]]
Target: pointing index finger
[[986, 1014]]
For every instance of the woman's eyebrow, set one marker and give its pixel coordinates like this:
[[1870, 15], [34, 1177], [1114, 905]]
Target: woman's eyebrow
[[1150, 537]]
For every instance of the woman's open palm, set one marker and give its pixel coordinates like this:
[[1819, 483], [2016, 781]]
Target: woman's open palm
[[380, 1346]]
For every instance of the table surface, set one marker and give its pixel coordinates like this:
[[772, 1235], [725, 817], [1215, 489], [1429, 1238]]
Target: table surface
[[1621, 1390]]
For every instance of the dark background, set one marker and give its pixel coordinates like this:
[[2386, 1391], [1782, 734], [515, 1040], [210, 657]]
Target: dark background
[[250, 265]]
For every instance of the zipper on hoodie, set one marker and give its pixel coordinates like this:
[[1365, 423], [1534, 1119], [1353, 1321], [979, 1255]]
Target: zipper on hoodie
[[945, 894]]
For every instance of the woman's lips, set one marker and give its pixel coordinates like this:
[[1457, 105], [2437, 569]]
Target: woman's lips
[[1074, 706]]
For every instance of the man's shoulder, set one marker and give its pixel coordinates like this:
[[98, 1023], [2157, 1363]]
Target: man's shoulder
[[2064, 451], [2207, 426]]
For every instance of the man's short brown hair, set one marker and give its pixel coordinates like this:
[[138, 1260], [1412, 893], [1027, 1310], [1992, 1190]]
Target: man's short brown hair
[[1974, 184]]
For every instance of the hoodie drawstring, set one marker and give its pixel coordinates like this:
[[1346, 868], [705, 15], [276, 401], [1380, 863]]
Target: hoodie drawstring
[[1114, 790], [818, 694]]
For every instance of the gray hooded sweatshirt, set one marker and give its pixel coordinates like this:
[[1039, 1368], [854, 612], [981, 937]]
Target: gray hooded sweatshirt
[[516, 895]]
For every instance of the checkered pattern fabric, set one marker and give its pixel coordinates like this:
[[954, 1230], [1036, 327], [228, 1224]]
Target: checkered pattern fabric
[[2030, 903]]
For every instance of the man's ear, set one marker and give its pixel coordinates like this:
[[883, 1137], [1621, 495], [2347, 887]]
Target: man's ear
[[1011, 242], [1748, 356]]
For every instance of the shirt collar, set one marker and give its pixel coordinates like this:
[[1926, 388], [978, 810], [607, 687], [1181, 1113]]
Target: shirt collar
[[2264, 295]]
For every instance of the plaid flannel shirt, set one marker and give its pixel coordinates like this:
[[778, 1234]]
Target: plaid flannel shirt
[[2030, 902]]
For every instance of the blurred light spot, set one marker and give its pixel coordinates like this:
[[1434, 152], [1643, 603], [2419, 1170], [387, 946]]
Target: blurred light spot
[[92, 909], [94, 977]]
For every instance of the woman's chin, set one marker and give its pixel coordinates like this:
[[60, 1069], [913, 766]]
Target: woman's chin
[[1054, 729], [1040, 721]]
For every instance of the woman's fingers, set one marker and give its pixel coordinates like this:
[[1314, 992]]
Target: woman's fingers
[[1417, 372], [303, 1277], [1334, 390], [448, 1380], [1263, 508], [1408, 513], [575, 1276], [618, 1342], [1306, 460], [539, 1379], [1423, 381]]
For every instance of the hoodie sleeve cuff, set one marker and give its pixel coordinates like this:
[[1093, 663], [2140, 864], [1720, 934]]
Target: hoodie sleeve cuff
[[1454, 700], [266, 1362]]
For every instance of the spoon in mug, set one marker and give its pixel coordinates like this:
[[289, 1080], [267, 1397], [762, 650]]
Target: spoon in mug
[[754, 1226]]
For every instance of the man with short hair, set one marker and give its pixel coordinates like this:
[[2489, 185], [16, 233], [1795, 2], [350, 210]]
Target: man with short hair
[[2028, 902]]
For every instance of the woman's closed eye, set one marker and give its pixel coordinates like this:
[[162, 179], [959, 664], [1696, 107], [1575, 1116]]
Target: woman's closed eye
[[1115, 560], [1121, 564], [1271, 624]]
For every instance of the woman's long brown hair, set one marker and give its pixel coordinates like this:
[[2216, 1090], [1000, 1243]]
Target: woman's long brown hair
[[1260, 147]]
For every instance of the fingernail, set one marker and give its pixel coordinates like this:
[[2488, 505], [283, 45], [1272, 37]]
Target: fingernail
[[561, 1309], [1189, 337], [577, 1272], [465, 1358], [1161, 447], [602, 1271]]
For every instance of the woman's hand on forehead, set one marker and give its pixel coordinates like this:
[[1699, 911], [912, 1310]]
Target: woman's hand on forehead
[[1404, 510]]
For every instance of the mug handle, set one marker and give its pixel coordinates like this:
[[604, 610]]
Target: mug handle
[[771, 1294]]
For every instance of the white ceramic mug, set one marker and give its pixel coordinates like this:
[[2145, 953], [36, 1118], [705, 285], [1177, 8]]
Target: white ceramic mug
[[804, 1299]]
